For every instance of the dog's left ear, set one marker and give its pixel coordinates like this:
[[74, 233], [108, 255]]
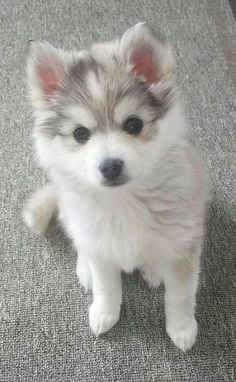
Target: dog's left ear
[[148, 55]]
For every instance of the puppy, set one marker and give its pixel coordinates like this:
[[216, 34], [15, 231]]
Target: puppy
[[128, 188]]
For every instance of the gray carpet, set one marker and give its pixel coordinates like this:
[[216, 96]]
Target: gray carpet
[[44, 332]]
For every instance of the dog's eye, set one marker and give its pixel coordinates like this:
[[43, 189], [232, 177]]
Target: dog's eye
[[133, 125], [81, 134]]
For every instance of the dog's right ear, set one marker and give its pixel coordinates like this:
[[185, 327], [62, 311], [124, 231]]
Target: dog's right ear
[[46, 69]]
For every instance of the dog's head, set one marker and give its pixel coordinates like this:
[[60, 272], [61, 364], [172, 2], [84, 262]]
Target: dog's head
[[104, 115]]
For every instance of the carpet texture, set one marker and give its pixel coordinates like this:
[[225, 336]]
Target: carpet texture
[[44, 332]]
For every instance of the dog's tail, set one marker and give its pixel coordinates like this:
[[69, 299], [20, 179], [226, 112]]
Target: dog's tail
[[40, 209]]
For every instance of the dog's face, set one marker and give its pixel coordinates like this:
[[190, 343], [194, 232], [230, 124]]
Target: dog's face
[[100, 113]]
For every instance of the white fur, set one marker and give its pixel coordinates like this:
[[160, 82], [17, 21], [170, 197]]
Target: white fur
[[153, 223], [81, 116], [94, 85]]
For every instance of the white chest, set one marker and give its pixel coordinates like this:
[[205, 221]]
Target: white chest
[[115, 228]]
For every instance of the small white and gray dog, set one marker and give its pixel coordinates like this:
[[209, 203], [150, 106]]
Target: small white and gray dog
[[128, 187]]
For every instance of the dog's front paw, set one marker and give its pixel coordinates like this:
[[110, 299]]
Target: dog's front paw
[[185, 337], [102, 317]]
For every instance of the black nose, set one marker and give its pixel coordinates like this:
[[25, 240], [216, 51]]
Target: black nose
[[111, 168]]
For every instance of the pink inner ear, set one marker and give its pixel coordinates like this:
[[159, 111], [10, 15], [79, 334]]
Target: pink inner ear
[[145, 64], [49, 75]]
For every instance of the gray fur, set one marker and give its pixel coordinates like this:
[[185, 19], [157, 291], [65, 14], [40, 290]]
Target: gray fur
[[117, 82]]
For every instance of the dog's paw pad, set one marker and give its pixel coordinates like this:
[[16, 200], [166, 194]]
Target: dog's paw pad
[[184, 338], [102, 318]]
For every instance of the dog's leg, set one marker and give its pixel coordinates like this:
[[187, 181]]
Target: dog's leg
[[180, 289], [151, 275], [107, 296], [40, 209], [84, 273]]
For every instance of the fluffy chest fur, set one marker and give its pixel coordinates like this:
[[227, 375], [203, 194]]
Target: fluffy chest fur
[[119, 227], [128, 227]]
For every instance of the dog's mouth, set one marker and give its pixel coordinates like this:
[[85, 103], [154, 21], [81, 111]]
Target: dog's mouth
[[121, 181]]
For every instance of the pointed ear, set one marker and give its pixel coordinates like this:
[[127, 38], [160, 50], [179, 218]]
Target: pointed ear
[[46, 69], [148, 55]]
